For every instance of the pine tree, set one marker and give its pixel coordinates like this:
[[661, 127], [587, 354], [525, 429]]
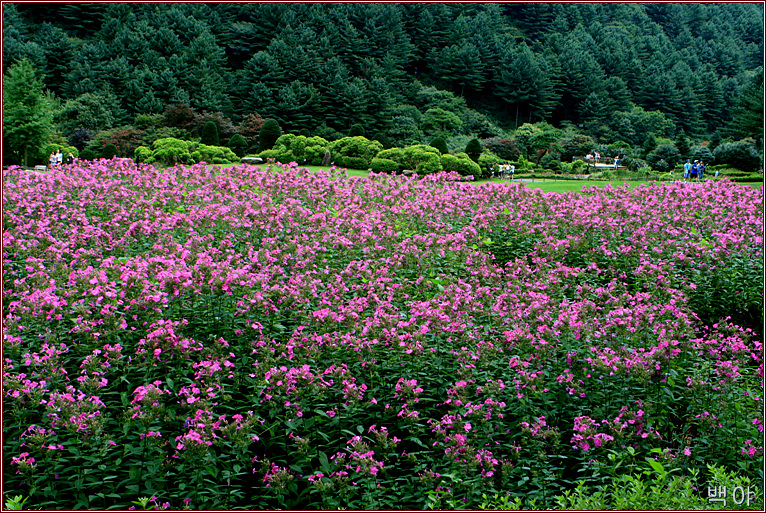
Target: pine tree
[[27, 111], [748, 114]]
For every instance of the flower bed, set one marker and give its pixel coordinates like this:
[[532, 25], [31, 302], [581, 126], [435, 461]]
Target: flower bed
[[266, 337]]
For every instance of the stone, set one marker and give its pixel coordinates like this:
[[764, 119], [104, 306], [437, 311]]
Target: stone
[[252, 160], [327, 159]]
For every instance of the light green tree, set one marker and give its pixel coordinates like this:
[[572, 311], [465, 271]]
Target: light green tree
[[27, 111]]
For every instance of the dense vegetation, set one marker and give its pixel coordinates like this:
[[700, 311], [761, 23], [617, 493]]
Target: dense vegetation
[[267, 337], [133, 73]]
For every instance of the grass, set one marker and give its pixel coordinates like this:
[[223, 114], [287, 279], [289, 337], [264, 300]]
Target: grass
[[546, 185]]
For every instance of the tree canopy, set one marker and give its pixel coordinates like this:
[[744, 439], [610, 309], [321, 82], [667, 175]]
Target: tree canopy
[[406, 69]]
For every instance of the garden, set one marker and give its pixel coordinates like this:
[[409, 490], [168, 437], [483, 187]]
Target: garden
[[265, 337]]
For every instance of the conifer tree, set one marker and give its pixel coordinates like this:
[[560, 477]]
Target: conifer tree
[[269, 134], [210, 134], [27, 111]]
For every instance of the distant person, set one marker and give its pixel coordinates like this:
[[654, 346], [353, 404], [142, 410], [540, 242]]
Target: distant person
[[701, 170], [59, 158], [52, 159], [616, 162], [687, 168], [693, 171], [501, 172], [597, 156], [70, 159], [513, 170]]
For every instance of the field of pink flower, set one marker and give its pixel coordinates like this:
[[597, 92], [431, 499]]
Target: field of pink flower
[[266, 337]]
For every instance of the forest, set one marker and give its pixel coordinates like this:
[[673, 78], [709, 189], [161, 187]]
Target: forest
[[406, 71]]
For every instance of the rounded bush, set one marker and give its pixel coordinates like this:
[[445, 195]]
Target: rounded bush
[[440, 144], [462, 164], [109, 151], [268, 135], [238, 145], [473, 149], [280, 155], [142, 154], [741, 155], [379, 165], [359, 149], [210, 134]]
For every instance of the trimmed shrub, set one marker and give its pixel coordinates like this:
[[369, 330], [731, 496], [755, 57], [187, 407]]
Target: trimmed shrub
[[440, 144], [354, 152], [379, 165], [210, 134], [422, 159], [473, 149], [238, 145], [461, 163], [170, 151], [109, 151], [214, 155], [142, 154], [268, 135], [280, 155], [741, 155], [88, 154]]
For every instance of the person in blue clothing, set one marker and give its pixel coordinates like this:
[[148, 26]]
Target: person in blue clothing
[[701, 171], [687, 168], [693, 171]]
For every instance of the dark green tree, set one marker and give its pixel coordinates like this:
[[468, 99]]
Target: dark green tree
[[473, 149], [109, 151], [440, 144], [356, 129], [748, 114], [238, 145], [268, 135], [27, 111], [210, 134]]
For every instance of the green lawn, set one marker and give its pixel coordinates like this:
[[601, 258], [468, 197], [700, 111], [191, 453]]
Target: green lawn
[[547, 185]]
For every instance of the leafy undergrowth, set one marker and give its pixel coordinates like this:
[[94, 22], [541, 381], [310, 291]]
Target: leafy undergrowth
[[267, 337]]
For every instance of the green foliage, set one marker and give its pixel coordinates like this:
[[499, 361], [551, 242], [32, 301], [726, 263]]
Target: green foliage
[[474, 149], [505, 149], [422, 159], [382, 165], [268, 135], [702, 153], [664, 157], [440, 144], [214, 154], [576, 146], [739, 154], [440, 121], [357, 129], [461, 163], [238, 145], [16, 503], [109, 151], [27, 112], [354, 152], [170, 151], [142, 154], [210, 134], [65, 150]]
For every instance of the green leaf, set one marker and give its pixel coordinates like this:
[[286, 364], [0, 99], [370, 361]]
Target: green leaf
[[656, 465]]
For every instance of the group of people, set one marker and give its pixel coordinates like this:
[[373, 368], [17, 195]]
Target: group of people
[[694, 171], [56, 158], [504, 170]]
